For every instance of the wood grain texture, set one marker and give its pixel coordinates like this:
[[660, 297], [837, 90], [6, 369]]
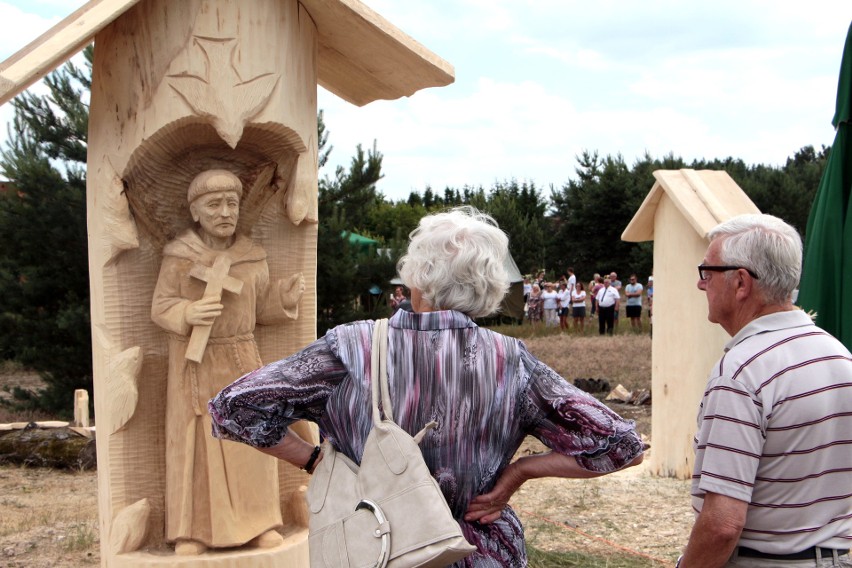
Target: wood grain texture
[[120, 384]]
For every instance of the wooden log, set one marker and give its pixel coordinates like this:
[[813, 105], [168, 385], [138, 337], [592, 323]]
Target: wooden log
[[48, 447], [619, 394], [39, 424]]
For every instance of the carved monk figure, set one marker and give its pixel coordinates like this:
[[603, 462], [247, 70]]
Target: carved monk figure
[[213, 288]]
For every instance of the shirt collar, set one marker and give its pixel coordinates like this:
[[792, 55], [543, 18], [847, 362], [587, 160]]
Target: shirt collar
[[772, 322], [444, 319]]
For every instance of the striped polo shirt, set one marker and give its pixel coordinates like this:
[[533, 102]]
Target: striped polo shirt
[[775, 430]]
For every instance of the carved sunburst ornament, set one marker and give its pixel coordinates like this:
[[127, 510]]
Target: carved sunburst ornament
[[223, 97]]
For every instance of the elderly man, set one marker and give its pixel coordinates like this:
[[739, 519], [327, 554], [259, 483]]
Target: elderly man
[[772, 484]]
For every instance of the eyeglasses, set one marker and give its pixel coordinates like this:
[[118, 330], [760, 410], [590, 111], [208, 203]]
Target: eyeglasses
[[703, 269]]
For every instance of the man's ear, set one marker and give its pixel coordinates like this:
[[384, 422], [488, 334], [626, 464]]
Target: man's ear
[[745, 285], [193, 212]]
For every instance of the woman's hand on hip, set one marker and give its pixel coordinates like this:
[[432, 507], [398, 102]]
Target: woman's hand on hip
[[488, 507]]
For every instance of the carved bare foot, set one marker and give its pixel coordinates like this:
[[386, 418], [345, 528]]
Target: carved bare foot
[[269, 539], [187, 547]]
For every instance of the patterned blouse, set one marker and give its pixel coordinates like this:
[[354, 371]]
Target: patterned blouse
[[485, 390]]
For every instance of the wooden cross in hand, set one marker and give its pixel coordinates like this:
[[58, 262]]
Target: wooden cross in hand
[[217, 279]]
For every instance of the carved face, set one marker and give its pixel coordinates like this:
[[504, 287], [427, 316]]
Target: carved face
[[217, 213]]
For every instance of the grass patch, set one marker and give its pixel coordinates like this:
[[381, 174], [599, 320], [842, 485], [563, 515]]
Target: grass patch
[[526, 330], [82, 536], [550, 559]]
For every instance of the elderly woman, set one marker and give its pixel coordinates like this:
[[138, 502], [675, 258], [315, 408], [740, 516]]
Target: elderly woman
[[485, 390]]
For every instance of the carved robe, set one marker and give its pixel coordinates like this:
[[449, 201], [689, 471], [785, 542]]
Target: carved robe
[[217, 492]]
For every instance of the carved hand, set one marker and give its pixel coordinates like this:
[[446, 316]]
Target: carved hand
[[291, 290], [204, 311]]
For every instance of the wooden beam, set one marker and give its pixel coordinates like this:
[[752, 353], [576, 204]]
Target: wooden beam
[[362, 57], [57, 45]]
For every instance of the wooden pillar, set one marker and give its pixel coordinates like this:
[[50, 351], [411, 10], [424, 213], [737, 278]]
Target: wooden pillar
[[685, 344], [179, 88], [81, 408]]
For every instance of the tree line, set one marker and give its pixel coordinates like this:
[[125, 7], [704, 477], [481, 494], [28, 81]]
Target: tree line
[[580, 223], [44, 315]]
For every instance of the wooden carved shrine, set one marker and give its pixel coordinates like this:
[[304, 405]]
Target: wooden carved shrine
[[202, 191]]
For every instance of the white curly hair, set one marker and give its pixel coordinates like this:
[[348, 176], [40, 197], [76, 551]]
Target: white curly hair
[[456, 260]]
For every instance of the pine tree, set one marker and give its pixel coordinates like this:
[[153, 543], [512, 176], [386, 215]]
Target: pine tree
[[44, 315], [346, 272]]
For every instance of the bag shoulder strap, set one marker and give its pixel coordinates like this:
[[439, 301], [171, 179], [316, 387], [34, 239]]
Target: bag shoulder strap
[[379, 372]]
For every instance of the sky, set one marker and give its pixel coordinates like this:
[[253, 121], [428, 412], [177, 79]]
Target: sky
[[540, 81]]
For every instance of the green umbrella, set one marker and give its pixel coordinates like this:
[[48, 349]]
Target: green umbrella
[[827, 267]]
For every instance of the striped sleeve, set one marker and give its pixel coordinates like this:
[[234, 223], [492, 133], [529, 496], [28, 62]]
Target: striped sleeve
[[729, 441]]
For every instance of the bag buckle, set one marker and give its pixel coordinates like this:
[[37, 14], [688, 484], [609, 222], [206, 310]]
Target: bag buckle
[[374, 508]]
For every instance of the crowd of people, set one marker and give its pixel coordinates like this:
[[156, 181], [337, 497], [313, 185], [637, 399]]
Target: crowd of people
[[568, 302]]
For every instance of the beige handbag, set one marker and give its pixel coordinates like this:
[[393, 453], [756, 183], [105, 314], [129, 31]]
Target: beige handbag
[[390, 510]]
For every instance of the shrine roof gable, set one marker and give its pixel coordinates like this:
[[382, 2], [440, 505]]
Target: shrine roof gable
[[704, 197]]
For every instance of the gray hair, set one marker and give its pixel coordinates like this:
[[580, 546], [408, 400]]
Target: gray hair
[[456, 260], [768, 246]]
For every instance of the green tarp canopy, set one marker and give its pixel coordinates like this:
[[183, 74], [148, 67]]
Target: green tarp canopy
[[827, 265], [356, 239]]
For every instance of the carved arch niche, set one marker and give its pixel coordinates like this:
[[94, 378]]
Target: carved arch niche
[[160, 170]]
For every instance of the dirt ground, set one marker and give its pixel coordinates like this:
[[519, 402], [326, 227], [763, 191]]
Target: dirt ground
[[49, 519], [629, 512]]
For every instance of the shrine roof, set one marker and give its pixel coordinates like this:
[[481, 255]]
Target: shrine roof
[[704, 197], [361, 57]]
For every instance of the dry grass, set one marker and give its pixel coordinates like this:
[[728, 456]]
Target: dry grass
[[627, 519], [621, 359], [49, 519]]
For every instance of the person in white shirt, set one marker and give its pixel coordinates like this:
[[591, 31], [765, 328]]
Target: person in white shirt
[[563, 304], [608, 300], [616, 283], [572, 280], [549, 298], [578, 306]]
